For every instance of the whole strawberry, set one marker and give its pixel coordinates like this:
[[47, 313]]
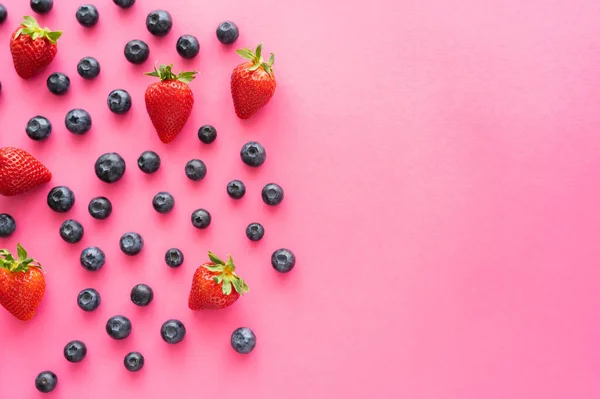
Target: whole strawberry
[[32, 48], [252, 83], [215, 285], [169, 102], [20, 171], [22, 283]]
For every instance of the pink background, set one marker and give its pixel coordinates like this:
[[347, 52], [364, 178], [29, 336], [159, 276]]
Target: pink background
[[440, 160]]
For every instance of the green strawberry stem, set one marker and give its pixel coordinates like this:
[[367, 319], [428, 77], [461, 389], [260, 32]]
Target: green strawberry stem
[[21, 264], [165, 73], [256, 57], [226, 275], [30, 27]]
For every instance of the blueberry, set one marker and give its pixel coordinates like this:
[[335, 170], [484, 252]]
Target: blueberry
[[46, 381], [283, 260], [172, 331], [188, 46], [163, 202], [236, 189], [119, 101], [38, 128], [88, 68], [131, 243], [92, 259], [243, 340], [7, 225], [201, 218], [142, 295], [60, 199], [253, 154], [87, 15], [272, 194], [195, 170], [207, 134], [136, 51], [159, 22], [255, 231], [124, 3], [227, 32], [41, 6], [134, 361], [75, 351], [78, 121], [100, 208], [3, 14], [118, 327], [88, 300], [174, 257], [149, 162], [71, 231], [58, 83], [110, 167]]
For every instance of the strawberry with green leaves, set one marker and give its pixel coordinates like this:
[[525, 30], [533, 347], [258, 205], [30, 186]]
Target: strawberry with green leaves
[[33, 48]]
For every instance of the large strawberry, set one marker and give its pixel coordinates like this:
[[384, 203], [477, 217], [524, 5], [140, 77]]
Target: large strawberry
[[22, 283], [252, 83], [169, 102], [215, 285], [32, 48], [20, 171]]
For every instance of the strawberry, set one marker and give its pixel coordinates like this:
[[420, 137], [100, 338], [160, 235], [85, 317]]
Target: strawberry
[[22, 283], [212, 285], [32, 48], [20, 171], [252, 83], [169, 102]]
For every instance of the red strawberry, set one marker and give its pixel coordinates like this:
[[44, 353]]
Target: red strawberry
[[22, 283], [20, 171], [169, 102], [32, 48], [252, 83], [212, 285]]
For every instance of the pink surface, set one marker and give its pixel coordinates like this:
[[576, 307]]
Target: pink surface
[[441, 162]]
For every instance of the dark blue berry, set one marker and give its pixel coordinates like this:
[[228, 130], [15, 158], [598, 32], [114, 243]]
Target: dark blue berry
[[236, 189], [100, 208], [110, 167], [283, 260], [88, 300], [41, 6], [46, 381], [134, 361], [163, 202], [149, 162], [131, 243], [142, 295], [253, 154], [3, 13], [188, 46], [227, 32], [243, 340], [201, 218], [92, 259], [88, 68], [60, 199], [71, 231], [172, 331], [58, 83], [255, 231], [38, 128], [119, 101], [118, 327], [87, 15], [75, 351], [78, 121], [195, 170], [159, 22], [7, 225], [174, 257], [136, 51], [272, 194], [124, 3], [207, 134]]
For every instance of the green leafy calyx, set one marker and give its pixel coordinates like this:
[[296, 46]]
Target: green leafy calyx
[[21, 264], [257, 60], [30, 27], [164, 72], [226, 275]]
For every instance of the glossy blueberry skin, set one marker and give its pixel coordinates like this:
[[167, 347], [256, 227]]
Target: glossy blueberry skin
[[92, 259], [172, 331], [58, 83], [88, 300], [159, 22], [207, 134], [272, 194], [118, 327], [283, 260], [149, 162], [124, 3], [173, 257], [3, 13], [163, 202], [87, 15], [46, 381], [134, 361], [60, 199], [195, 170], [88, 68], [136, 51], [71, 231], [253, 154], [187, 46], [243, 340], [201, 218], [236, 189], [41, 6], [38, 128], [119, 101], [78, 121], [131, 243], [255, 231], [7, 225], [100, 208], [227, 32], [110, 167], [142, 295], [75, 351]]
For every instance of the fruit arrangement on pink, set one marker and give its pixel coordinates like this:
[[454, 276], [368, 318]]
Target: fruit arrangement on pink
[[169, 102]]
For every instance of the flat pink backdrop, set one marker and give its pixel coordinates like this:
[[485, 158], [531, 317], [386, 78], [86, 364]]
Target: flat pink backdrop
[[441, 164]]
